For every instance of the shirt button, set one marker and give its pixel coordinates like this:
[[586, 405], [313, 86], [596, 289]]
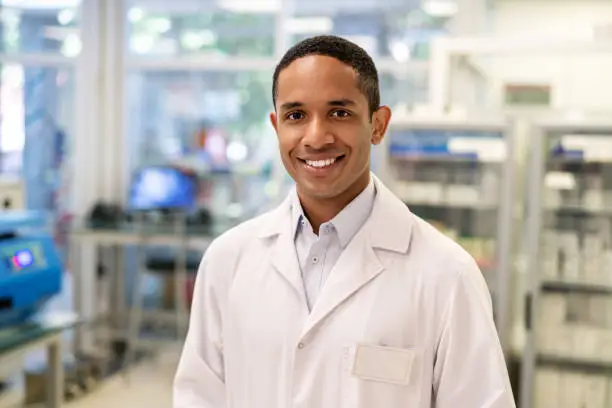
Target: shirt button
[[301, 346], [315, 259]]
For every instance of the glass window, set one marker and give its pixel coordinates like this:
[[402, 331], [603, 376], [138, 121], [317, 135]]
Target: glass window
[[403, 88], [393, 28], [40, 27], [218, 29], [35, 102], [211, 121], [37, 111]]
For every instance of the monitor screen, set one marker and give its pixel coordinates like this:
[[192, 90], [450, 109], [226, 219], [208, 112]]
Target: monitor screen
[[156, 188]]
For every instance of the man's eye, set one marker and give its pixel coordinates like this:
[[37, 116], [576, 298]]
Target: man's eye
[[341, 114], [295, 116]]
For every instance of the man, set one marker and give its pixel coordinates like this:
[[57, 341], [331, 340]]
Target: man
[[340, 297]]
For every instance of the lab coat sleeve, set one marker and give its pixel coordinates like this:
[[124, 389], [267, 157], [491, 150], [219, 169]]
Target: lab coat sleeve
[[470, 369], [199, 380]]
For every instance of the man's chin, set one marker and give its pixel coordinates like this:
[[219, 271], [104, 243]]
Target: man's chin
[[319, 192]]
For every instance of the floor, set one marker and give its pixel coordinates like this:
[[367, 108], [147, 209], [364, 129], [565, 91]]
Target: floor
[[148, 385]]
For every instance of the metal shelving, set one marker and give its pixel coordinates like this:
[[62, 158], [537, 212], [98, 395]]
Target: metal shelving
[[459, 175], [568, 352]]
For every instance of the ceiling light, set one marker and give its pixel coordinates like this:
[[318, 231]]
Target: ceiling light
[[142, 44], [309, 25], [250, 6], [72, 45], [66, 16], [193, 40], [440, 8], [135, 14], [161, 25], [236, 151], [401, 51], [41, 5]]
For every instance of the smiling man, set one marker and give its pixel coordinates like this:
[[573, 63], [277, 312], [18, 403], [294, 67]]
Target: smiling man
[[340, 297]]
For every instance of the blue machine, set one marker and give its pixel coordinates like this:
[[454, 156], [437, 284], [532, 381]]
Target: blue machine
[[30, 266]]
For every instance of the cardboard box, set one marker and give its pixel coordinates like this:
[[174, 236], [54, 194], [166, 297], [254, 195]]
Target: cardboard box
[[604, 349], [553, 309], [570, 269], [592, 245], [591, 270], [547, 388], [552, 199], [593, 199], [464, 194], [420, 192], [557, 341], [586, 341], [595, 394], [606, 268], [550, 271], [572, 388]]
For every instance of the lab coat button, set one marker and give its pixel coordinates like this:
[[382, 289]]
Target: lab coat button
[[301, 345], [315, 259]]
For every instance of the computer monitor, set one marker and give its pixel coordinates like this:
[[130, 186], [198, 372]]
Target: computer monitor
[[163, 188]]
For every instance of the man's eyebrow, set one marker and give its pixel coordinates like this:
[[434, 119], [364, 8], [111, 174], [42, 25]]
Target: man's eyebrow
[[334, 102], [342, 102], [291, 105]]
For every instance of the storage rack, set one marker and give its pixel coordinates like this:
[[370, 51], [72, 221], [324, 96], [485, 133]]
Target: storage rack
[[567, 360], [458, 173]]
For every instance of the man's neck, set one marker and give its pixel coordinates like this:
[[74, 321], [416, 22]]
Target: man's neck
[[319, 211]]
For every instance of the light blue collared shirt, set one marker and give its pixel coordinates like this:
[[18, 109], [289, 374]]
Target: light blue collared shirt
[[317, 255]]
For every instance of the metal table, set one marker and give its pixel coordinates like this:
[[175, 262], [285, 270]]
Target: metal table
[[45, 332], [83, 260]]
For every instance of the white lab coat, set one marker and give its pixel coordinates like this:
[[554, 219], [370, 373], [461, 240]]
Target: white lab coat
[[403, 321]]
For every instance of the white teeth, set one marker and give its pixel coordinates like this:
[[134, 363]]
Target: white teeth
[[320, 163]]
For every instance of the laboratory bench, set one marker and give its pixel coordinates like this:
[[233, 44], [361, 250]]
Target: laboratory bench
[[44, 332]]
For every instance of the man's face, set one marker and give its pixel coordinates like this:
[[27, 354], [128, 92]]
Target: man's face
[[324, 128]]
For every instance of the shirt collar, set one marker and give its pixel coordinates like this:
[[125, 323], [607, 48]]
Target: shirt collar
[[348, 221]]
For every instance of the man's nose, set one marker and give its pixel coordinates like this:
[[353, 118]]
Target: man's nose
[[318, 134]]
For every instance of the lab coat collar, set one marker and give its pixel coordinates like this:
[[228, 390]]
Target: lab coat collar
[[346, 223], [389, 226]]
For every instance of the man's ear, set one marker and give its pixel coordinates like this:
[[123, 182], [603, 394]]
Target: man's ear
[[380, 123], [274, 121]]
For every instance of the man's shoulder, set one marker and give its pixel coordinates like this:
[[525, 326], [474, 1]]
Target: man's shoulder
[[440, 248], [445, 264]]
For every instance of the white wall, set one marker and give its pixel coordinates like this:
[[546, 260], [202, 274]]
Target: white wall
[[582, 80]]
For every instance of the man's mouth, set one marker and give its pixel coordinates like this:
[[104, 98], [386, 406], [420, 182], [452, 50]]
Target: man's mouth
[[323, 163]]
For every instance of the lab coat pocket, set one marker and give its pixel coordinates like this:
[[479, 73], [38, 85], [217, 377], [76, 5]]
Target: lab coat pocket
[[382, 376]]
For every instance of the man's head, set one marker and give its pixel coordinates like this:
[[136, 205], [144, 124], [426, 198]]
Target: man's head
[[327, 115]]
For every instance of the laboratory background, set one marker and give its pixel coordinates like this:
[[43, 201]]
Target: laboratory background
[[133, 132]]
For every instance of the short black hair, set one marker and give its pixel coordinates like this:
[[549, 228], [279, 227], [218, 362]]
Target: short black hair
[[344, 51]]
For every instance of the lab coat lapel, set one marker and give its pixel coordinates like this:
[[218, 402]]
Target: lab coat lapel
[[388, 228], [278, 229], [284, 261]]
